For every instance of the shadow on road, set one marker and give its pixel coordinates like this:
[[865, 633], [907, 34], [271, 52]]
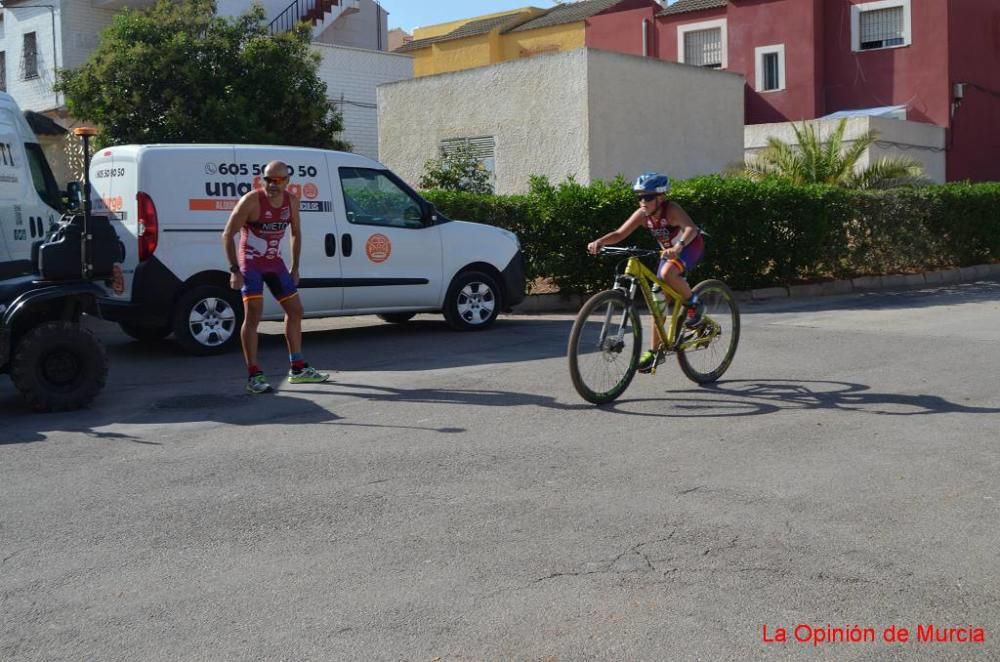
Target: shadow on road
[[155, 383], [754, 397]]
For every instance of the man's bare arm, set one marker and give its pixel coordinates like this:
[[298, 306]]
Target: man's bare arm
[[237, 219], [296, 232]]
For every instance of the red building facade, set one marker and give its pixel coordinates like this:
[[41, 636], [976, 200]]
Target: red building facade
[[804, 59]]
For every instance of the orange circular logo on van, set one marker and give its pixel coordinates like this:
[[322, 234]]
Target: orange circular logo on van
[[310, 191], [378, 247]]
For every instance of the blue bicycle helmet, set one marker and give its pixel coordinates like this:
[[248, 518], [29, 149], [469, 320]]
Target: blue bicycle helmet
[[651, 182]]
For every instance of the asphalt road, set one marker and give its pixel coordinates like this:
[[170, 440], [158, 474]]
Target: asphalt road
[[449, 497]]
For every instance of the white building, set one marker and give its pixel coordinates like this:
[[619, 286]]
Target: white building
[[584, 113]]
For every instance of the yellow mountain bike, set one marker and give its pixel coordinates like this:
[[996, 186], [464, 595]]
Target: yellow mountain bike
[[606, 340]]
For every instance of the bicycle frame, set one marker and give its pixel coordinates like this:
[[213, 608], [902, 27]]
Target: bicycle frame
[[640, 277]]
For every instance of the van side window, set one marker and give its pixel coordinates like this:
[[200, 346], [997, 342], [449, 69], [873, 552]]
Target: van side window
[[41, 175], [371, 197]]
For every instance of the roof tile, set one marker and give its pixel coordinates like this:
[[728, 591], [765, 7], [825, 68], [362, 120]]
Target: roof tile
[[682, 6]]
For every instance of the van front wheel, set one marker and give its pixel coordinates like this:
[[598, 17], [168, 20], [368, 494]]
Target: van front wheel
[[472, 302], [207, 320]]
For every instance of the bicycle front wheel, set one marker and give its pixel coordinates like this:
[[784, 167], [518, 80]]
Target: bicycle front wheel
[[714, 342], [604, 347]]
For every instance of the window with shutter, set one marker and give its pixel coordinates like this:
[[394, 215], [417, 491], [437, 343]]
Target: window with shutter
[[482, 148], [883, 24], [881, 28]]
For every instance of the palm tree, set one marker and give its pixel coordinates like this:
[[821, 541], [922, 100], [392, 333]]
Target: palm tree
[[813, 161]]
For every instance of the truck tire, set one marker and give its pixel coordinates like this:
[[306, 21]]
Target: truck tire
[[473, 301], [59, 366], [145, 333], [207, 320]]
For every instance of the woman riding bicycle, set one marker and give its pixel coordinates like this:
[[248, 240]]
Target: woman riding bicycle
[[680, 240]]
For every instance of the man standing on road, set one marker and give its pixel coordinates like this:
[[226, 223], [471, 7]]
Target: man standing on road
[[261, 217]]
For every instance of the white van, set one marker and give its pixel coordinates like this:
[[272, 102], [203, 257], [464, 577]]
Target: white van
[[370, 243], [30, 201]]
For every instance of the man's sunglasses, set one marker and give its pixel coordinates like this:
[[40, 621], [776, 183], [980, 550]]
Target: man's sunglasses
[[646, 197], [276, 180]]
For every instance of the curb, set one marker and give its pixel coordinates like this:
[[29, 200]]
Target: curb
[[534, 304]]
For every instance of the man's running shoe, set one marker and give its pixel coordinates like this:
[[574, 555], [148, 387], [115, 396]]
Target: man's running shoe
[[695, 311], [308, 375], [648, 360], [258, 384]]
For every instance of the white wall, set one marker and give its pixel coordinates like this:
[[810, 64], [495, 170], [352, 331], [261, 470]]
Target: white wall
[[535, 109], [586, 113], [359, 24], [81, 31], [651, 115], [352, 75], [922, 142], [36, 93]]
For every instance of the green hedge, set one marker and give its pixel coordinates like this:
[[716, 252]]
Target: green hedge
[[759, 233]]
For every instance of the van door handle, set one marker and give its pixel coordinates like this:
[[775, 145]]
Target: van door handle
[[331, 245], [346, 245]]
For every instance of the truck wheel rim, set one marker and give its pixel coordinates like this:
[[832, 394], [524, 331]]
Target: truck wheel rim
[[476, 302], [212, 321], [60, 368]]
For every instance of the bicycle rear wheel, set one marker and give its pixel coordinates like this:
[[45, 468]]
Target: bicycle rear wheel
[[707, 360], [604, 347]]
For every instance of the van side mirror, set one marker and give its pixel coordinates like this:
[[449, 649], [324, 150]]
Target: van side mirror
[[74, 196], [430, 213]]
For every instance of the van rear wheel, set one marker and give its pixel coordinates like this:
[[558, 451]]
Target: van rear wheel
[[207, 320]]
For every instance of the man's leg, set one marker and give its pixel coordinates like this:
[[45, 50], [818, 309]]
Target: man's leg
[[300, 372], [253, 307], [293, 323]]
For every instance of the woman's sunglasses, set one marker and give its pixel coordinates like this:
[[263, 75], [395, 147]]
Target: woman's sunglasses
[[646, 197]]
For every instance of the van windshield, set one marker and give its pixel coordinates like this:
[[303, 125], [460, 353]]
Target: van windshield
[[42, 177]]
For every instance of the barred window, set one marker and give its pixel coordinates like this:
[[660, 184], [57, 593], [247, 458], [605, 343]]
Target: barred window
[[703, 48], [29, 56]]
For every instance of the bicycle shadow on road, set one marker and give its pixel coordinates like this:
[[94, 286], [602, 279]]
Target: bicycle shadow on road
[[754, 397]]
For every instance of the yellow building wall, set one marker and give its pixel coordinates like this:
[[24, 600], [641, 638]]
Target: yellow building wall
[[460, 54], [556, 38], [423, 62], [486, 49]]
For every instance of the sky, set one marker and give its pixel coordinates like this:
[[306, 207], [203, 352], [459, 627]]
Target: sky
[[409, 14]]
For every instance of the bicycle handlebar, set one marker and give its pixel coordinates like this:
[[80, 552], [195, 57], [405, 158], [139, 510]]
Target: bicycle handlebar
[[628, 250]]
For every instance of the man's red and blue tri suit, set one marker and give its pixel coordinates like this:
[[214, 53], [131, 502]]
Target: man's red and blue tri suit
[[260, 251], [665, 234]]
